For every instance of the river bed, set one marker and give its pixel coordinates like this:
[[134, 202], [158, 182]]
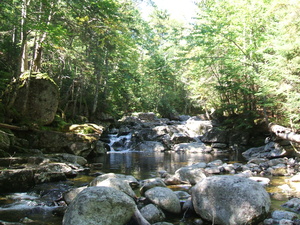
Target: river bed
[[34, 208]]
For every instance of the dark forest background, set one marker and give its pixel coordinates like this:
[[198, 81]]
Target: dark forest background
[[239, 59]]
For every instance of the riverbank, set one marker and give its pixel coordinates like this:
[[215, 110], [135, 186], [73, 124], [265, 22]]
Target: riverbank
[[163, 147]]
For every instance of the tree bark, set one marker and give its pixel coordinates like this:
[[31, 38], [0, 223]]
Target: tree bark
[[284, 133]]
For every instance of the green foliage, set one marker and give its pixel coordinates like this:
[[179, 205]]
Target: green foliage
[[240, 57]]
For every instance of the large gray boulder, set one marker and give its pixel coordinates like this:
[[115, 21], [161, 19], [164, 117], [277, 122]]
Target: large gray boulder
[[164, 198], [230, 200], [39, 103], [118, 184], [127, 178], [101, 206]]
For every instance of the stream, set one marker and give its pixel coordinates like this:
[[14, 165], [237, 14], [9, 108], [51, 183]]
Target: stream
[[34, 207]]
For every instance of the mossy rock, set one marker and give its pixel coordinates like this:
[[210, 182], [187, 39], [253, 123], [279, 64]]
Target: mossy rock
[[37, 102]]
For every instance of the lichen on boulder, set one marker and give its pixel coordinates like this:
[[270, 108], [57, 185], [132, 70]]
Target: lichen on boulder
[[38, 101]]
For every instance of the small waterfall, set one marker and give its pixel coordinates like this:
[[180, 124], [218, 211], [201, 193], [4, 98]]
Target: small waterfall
[[120, 143]]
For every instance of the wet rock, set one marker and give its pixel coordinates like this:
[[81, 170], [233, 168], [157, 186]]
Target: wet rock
[[127, 178], [16, 180], [151, 183], [182, 195], [270, 150], [12, 161], [215, 163], [150, 146], [255, 152], [275, 162], [293, 205], [181, 138], [192, 147], [280, 217], [254, 167], [230, 200], [280, 214], [164, 198], [278, 170], [119, 184], [162, 130], [152, 214], [68, 170], [212, 170], [145, 134], [229, 168], [45, 177], [71, 195], [172, 180], [100, 149], [219, 145], [100, 205], [74, 159], [192, 174]]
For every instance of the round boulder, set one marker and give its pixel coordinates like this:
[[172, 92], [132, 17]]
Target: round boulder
[[101, 206], [164, 198], [152, 214], [230, 200], [192, 174]]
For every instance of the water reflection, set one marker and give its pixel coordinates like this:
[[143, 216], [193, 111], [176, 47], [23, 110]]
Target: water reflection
[[145, 165]]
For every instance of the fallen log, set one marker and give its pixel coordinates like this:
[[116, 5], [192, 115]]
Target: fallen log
[[284, 133], [13, 127]]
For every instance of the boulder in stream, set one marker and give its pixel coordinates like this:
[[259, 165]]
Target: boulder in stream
[[194, 147], [164, 198], [100, 205], [230, 200], [192, 174], [152, 214], [118, 184]]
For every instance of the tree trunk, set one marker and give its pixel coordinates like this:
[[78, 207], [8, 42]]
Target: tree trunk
[[24, 54], [284, 133], [37, 54]]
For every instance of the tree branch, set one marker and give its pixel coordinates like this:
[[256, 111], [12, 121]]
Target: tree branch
[[284, 133]]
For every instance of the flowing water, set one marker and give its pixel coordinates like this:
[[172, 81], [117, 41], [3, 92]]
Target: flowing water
[[35, 207]]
